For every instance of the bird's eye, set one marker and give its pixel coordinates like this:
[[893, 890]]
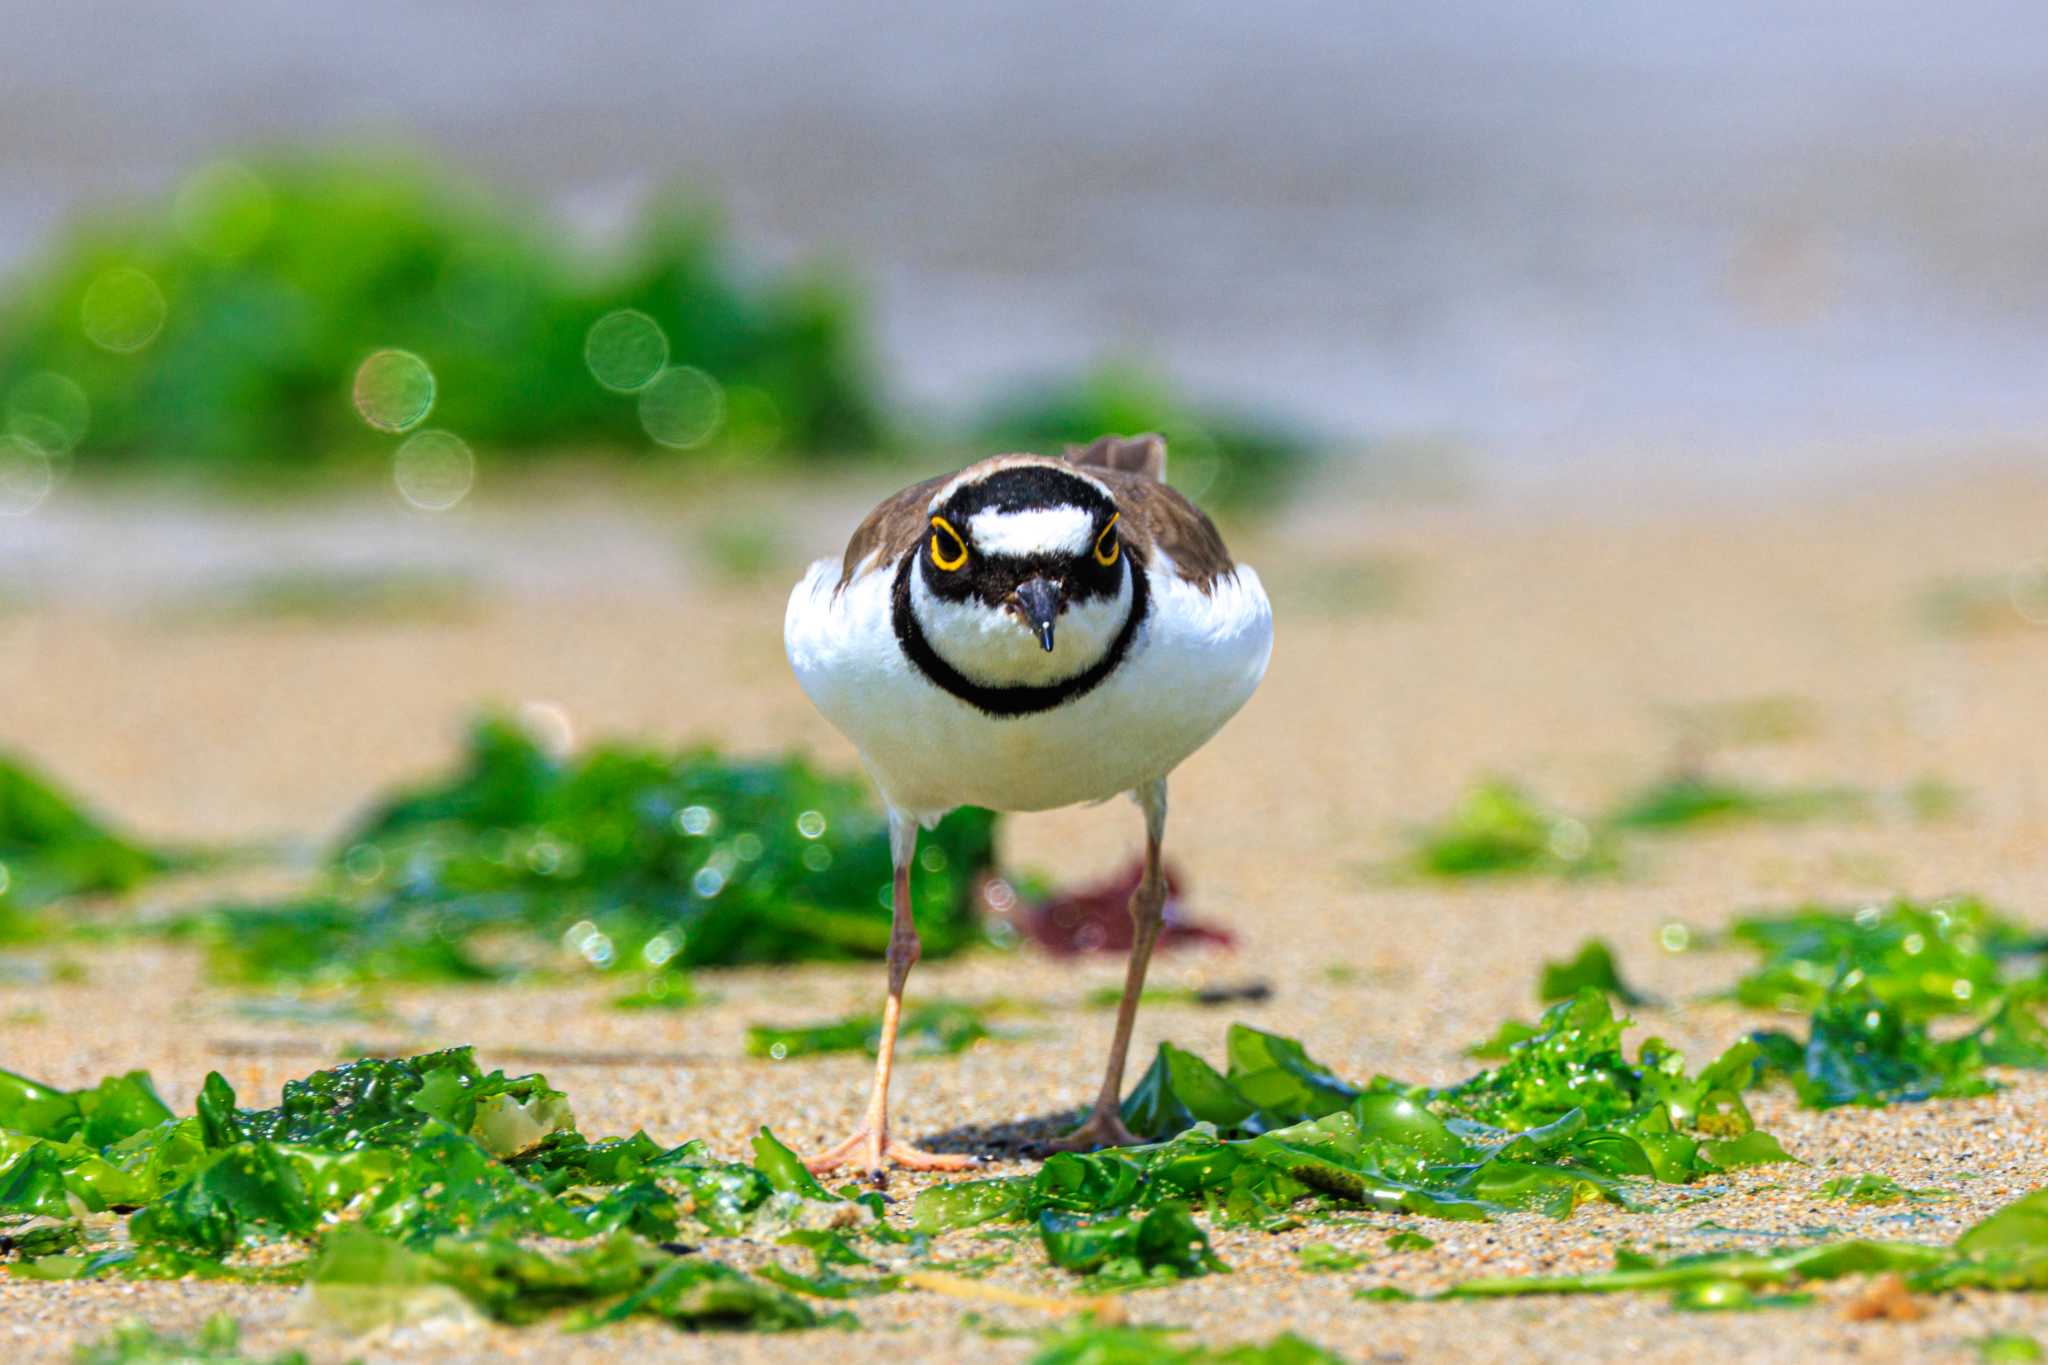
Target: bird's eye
[[1107, 546], [949, 551]]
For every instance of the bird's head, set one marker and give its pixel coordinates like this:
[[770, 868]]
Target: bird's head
[[1023, 576]]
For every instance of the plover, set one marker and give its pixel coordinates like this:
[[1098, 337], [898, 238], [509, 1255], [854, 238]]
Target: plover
[[1028, 633]]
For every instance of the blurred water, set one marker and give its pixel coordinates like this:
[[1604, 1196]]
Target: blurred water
[[1539, 228]]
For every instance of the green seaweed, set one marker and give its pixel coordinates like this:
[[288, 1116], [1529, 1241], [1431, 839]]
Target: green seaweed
[[826, 1283], [1874, 978], [1502, 1043], [1321, 1258], [361, 1279], [419, 1147], [52, 848], [269, 283], [219, 1342], [784, 1170], [55, 1144], [617, 858], [1822, 1261], [1567, 1118], [1383, 1293], [1694, 798], [1180, 1090], [1254, 992], [1094, 1343], [1126, 1251], [1565, 1111], [1575, 1062], [2012, 1031], [36, 1237], [930, 1028], [1870, 1188], [1723, 1296], [1593, 966], [662, 990], [406, 1181], [115, 1108], [1497, 829], [710, 1295], [1948, 956], [1861, 1050], [2006, 1251]]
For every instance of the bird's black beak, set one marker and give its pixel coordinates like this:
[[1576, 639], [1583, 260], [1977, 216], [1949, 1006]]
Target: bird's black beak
[[1038, 601]]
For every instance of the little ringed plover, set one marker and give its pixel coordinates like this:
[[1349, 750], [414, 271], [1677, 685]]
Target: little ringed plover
[[1027, 633]]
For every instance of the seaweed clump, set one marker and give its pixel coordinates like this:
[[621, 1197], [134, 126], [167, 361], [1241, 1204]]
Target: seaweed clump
[[395, 1179], [618, 858], [52, 848], [1566, 1119], [221, 331]]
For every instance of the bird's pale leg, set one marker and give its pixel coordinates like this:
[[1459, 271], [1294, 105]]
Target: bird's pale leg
[[872, 1146], [1104, 1126]]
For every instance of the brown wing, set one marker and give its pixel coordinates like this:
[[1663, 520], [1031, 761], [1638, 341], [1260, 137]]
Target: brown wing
[[1154, 515], [1144, 454], [895, 525], [1134, 467]]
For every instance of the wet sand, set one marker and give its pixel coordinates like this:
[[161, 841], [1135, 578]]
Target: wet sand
[[1553, 646]]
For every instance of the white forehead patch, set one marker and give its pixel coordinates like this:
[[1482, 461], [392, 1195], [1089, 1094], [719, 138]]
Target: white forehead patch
[[1062, 530]]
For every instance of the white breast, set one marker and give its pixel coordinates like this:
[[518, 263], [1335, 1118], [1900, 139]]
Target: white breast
[[1195, 661]]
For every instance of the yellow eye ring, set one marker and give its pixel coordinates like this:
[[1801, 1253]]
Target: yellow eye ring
[[1108, 557], [939, 559]]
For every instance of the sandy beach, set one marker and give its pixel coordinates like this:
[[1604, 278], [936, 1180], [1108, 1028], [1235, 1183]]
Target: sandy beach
[[1421, 646]]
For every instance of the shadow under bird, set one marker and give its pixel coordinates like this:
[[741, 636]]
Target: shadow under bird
[[1028, 633]]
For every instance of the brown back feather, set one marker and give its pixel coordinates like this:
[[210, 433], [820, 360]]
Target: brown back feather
[[1144, 454], [1156, 516], [1134, 467], [892, 529]]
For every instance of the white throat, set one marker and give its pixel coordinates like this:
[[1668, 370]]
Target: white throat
[[993, 647]]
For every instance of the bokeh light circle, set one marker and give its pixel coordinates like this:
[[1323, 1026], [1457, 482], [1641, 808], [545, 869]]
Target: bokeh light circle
[[122, 310], [682, 408], [434, 470], [2027, 589], [394, 390], [548, 725], [26, 476], [49, 410], [625, 350]]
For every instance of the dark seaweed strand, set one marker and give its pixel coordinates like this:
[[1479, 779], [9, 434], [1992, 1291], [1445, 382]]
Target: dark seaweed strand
[[1022, 699]]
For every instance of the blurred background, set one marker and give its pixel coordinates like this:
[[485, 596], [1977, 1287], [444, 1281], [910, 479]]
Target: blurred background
[[1509, 243], [365, 364]]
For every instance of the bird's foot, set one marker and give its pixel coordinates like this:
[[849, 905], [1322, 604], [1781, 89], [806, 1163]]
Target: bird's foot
[[1103, 1128], [874, 1151]]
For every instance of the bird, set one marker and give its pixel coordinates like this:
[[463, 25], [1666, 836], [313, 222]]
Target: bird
[[1027, 633]]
